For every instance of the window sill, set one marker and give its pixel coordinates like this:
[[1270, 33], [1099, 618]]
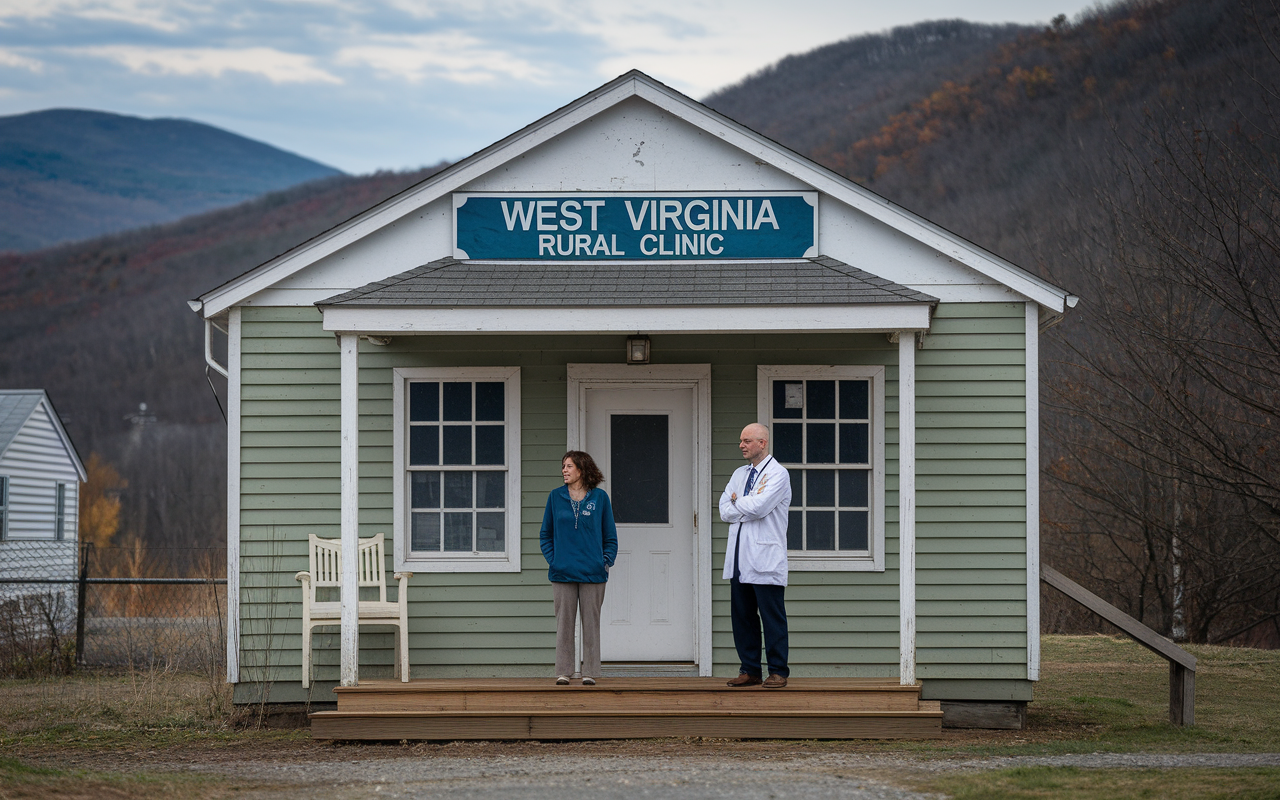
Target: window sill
[[798, 562], [498, 562]]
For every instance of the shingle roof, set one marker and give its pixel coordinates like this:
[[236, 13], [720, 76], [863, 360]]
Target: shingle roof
[[16, 406], [806, 281]]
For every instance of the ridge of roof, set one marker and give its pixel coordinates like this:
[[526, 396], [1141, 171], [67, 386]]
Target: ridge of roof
[[635, 83], [16, 408]]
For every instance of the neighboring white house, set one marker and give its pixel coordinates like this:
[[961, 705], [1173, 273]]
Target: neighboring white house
[[40, 477]]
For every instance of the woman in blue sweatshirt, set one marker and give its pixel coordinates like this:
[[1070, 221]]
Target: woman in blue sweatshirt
[[580, 542]]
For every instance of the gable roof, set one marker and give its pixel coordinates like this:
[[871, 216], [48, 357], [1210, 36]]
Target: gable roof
[[635, 84], [17, 406], [807, 281]]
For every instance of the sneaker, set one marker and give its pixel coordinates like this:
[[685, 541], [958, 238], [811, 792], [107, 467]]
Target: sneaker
[[562, 680], [588, 681]]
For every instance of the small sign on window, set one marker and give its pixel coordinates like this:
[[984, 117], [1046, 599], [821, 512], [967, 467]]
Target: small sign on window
[[794, 395]]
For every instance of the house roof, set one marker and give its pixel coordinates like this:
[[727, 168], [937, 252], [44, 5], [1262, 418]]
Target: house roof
[[633, 84], [17, 406], [805, 281]]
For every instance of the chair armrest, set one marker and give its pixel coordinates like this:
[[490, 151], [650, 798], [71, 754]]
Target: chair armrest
[[303, 576], [402, 576]]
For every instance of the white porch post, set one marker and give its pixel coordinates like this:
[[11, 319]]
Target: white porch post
[[350, 655], [1033, 491], [907, 505]]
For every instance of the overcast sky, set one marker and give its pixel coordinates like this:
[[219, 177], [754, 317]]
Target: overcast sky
[[393, 84]]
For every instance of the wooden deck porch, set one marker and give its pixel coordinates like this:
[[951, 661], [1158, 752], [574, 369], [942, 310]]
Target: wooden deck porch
[[628, 708]]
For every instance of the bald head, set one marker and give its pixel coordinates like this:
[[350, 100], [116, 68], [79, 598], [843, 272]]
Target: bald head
[[754, 442]]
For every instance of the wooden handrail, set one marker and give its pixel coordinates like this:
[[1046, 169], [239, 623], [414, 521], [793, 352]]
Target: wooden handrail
[[1182, 665]]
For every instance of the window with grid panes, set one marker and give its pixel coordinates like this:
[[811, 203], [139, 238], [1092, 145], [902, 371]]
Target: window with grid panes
[[824, 431], [457, 462]]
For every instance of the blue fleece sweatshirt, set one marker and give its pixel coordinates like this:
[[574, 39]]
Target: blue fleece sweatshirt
[[579, 553]]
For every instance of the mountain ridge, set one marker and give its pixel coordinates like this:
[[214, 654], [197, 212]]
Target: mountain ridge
[[71, 174]]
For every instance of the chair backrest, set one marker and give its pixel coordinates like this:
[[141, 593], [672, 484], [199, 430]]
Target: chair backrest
[[325, 562]]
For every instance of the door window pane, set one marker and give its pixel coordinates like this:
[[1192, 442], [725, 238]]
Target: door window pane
[[638, 457], [797, 486]]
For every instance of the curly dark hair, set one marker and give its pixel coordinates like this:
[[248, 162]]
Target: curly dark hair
[[591, 474]]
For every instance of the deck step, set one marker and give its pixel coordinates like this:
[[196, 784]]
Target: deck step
[[827, 708], [624, 725]]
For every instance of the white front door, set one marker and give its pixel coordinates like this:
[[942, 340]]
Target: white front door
[[643, 438]]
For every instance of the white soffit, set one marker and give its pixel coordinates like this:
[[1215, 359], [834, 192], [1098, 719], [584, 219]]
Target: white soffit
[[640, 85], [877, 317]]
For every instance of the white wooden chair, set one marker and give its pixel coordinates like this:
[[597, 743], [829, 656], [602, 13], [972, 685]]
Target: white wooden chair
[[324, 558]]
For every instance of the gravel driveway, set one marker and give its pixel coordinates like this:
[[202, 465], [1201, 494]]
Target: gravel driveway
[[604, 777]]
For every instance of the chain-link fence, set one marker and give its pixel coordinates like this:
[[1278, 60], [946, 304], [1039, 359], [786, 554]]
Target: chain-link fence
[[63, 604]]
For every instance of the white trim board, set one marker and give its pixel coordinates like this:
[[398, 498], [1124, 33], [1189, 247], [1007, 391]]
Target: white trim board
[[581, 377], [907, 509], [871, 317], [234, 329], [635, 84], [1033, 490]]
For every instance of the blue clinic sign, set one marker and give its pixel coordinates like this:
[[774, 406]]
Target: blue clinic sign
[[673, 226]]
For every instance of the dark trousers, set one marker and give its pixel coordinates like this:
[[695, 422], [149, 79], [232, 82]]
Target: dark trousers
[[751, 604]]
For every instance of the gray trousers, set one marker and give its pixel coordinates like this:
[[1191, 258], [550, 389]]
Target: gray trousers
[[569, 599]]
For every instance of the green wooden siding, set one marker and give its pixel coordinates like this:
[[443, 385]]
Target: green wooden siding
[[970, 495], [971, 480]]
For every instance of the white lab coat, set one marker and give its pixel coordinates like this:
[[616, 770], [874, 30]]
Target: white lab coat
[[760, 518]]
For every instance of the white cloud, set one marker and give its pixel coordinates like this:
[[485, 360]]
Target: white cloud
[[452, 56], [161, 15], [8, 58], [276, 66]]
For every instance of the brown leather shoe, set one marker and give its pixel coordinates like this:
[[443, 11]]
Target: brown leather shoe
[[745, 679], [775, 682]]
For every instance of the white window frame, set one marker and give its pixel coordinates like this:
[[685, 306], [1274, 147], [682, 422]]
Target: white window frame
[[507, 560], [826, 561], [60, 511]]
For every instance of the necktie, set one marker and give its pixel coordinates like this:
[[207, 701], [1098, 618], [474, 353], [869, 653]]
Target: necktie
[[737, 543]]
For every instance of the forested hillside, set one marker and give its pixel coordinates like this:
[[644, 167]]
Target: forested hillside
[[67, 174]]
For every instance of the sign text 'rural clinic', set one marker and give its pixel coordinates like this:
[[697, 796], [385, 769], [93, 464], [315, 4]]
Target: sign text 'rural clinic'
[[635, 226]]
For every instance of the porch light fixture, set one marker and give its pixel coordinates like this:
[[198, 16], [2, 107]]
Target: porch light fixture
[[638, 350]]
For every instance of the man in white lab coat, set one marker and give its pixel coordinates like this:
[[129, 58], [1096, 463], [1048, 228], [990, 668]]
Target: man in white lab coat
[[755, 504]]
